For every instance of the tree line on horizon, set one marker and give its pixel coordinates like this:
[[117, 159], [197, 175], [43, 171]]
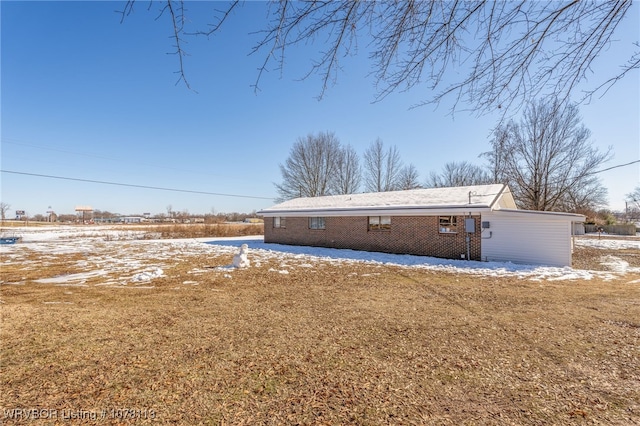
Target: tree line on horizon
[[174, 216], [546, 158]]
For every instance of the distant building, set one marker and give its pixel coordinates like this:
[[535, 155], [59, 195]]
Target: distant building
[[132, 219]]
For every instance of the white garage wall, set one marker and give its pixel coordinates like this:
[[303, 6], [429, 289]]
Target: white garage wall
[[528, 237]]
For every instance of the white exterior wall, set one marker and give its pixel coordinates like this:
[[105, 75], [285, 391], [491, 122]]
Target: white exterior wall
[[527, 237]]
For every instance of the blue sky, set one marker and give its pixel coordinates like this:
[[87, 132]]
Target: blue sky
[[85, 96]]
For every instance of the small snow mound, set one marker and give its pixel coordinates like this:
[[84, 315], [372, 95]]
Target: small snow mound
[[240, 260], [147, 275], [615, 264]]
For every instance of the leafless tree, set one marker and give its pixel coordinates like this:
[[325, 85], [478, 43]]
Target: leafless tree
[[4, 208], [311, 168], [634, 197], [67, 218], [409, 178], [104, 214], [589, 195], [381, 167], [183, 215], [548, 159], [505, 51], [498, 154], [348, 173], [632, 212], [460, 173]]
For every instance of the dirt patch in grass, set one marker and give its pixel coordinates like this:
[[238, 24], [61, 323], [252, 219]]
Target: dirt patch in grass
[[328, 344]]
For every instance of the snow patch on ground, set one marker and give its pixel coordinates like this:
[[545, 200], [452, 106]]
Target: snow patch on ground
[[618, 265], [147, 275], [140, 261], [618, 244], [71, 279]]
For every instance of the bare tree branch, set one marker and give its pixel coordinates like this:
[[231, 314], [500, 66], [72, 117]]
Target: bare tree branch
[[502, 52], [220, 20], [127, 10], [178, 19]]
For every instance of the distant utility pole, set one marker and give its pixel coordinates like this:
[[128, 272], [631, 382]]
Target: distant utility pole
[[626, 211]]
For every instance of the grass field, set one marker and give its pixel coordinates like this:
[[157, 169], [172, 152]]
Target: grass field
[[325, 343]]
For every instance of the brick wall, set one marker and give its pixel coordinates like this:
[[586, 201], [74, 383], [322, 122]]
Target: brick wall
[[408, 234]]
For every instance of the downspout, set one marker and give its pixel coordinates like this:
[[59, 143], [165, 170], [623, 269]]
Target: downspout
[[468, 238], [467, 235]]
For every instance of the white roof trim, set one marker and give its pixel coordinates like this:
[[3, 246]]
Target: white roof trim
[[504, 195], [551, 215]]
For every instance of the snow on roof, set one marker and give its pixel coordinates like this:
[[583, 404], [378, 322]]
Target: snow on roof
[[478, 197]]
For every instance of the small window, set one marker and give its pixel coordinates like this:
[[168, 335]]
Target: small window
[[279, 222], [316, 223], [377, 223], [448, 224]]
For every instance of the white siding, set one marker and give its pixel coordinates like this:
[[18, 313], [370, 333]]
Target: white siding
[[527, 237]]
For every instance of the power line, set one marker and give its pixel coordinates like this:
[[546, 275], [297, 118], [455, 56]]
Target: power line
[[134, 186], [205, 192], [615, 167]]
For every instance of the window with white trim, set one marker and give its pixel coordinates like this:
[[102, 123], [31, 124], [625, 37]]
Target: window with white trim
[[279, 222], [447, 224], [377, 223], [316, 223]]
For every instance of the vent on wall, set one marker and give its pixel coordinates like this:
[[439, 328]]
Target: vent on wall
[[486, 225]]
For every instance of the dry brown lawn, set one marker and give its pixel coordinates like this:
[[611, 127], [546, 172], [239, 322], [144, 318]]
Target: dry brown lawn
[[351, 344]]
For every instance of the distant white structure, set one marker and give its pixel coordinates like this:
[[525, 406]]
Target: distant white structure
[[133, 219], [241, 260], [83, 210]]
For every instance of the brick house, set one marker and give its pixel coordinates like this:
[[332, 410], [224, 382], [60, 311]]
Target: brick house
[[478, 222]]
